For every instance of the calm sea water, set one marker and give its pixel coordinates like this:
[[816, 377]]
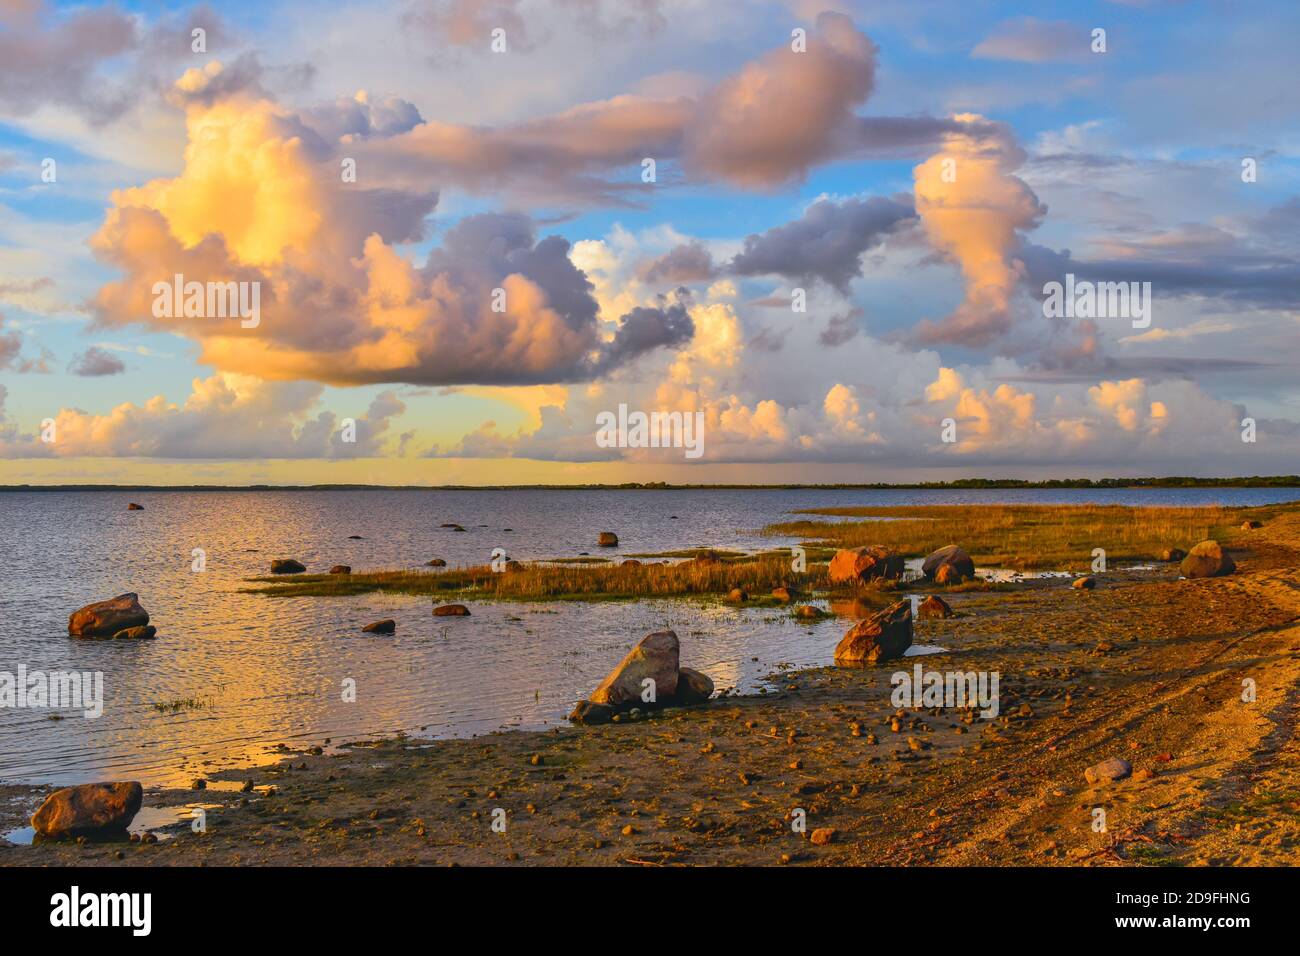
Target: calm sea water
[[269, 671]]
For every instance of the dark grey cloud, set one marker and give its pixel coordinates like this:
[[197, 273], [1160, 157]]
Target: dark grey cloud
[[689, 262], [646, 328], [826, 242], [96, 362]]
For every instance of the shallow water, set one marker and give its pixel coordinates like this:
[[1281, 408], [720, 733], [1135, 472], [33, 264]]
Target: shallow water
[[256, 672]]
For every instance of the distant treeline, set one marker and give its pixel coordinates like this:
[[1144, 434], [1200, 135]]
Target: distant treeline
[[1266, 481]]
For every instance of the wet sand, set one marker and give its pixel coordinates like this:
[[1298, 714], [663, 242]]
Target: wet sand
[[1146, 667]]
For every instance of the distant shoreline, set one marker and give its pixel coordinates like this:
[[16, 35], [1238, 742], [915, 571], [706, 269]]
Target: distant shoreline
[[964, 484]]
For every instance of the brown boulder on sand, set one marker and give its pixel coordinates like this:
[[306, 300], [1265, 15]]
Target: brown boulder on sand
[[287, 566], [693, 687], [864, 564], [386, 626], [106, 618], [656, 656], [935, 606], [1207, 560], [341, 569], [607, 539], [881, 637], [88, 809], [585, 712], [451, 610], [950, 556]]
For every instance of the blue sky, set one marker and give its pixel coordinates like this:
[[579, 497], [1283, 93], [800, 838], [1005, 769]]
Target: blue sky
[[1126, 162]]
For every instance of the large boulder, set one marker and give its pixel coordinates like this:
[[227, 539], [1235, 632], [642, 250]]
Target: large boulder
[[1207, 560], [386, 626], [655, 656], [693, 687], [88, 809], [881, 637], [854, 565], [287, 566], [106, 618], [953, 557]]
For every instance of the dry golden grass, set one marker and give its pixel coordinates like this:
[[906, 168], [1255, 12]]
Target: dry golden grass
[[1022, 536], [536, 582]]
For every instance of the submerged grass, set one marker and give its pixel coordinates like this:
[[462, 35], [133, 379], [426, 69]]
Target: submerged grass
[[535, 582], [1022, 536]]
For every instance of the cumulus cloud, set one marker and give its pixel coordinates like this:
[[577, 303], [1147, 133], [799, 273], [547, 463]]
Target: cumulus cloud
[[973, 208], [260, 201], [226, 416]]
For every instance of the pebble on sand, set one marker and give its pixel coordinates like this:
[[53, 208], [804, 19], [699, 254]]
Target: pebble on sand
[[1108, 771]]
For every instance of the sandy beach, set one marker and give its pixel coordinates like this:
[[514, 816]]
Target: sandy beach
[[1147, 667]]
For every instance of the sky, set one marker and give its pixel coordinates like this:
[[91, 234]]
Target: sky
[[827, 230]]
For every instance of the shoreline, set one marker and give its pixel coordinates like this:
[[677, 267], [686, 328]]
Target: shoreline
[[1150, 671], [965, 484]]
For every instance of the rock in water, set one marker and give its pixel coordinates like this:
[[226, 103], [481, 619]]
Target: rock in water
[[386, 626], [881, 637], [287, 566], [693, 687], [951, 556], [341, 569], [106, 618], [134, 507], [935, 606], [88, 809], [809, 612], [436, 563], [1207, 560], [607, 539], [785, 594], [1172, 554], [451, 610], [591, 714], [656, 657], [854, 565], [737, 596], [1084, 584], [1108, 771]]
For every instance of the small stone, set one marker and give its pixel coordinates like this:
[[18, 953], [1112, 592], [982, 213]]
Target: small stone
[[822, 836], [1108, 771]]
